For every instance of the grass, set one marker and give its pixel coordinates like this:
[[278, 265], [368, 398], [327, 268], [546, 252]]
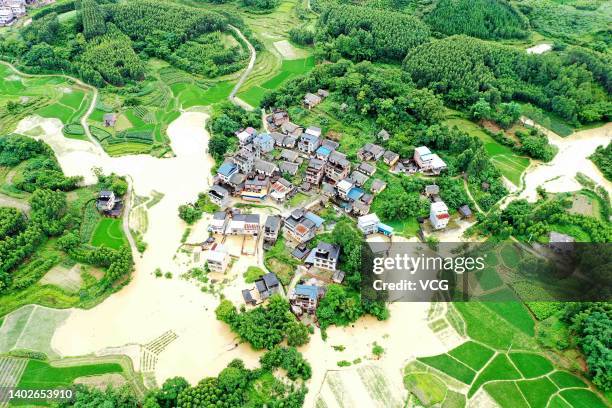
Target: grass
[[564, 379], [500, 368], [450, 366], [453, 400], [515, 313], [429, 388], [253, 273], [510, 255], [506, 394], [537, 392], [279, 260], [109, 233], [298, 199], [472, 354], [40, 374], [503, 157], [531, 365], [488, 278], [406, 228]]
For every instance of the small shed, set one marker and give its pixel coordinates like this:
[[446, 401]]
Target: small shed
[[109, 119], [465, 211]]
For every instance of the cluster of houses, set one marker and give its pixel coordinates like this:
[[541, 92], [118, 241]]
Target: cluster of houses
[[10, 10]]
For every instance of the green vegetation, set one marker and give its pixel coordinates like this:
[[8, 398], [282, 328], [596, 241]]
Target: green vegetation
[[428, 387], [537, 392], [507, 394], [603, 159], [278, 259], [253, 273], [531, 365], [472, 354], [487, 19], [40, 374], [109, 233], [500, 368], [451, 366]]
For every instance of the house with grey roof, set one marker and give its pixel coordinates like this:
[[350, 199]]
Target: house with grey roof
[[390, 157], [292, 129], [370, 152], [219, 195], [109, 119], [432, 190], [383, 135], [243, 224], [255, 188], [302, 225], [311, 100], [378, 186], [359, 178], [324, 256], [315, 171], [289, 155], [308, 143], [219, 222], [337, 167], [366, 168], [288, 167], [264, 167], [244, 159], [282, 140], [267, 285], [272, 228]]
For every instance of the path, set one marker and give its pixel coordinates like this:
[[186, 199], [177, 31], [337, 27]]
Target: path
[[245, 74], [469, 193], [126, 217], [8, 201]]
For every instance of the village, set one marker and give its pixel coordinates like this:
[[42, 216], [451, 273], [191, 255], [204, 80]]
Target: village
[[13, 10]]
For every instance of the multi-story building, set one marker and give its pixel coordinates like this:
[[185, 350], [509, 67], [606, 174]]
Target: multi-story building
[[243, 224], [255, 188], [315, 171], [217, 258], [324, 256], [244, 159], [308, 143], [438, 215], [428, 161], [337, 167]]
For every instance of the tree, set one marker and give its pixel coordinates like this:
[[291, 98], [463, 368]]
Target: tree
[[189, 213], [297, 334]]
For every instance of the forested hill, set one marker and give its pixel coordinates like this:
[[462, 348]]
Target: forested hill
[[464, 69], [489, 19]]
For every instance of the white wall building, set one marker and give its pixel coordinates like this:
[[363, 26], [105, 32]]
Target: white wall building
[[438, 215]]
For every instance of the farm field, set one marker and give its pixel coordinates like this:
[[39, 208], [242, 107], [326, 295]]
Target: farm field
[[109, 233], [509, 163], [40, 374]]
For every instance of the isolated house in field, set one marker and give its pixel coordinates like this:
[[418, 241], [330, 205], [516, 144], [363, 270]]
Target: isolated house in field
[[311, 100], [464, 211], [226, 171], [305, 298], [244, 159], [370, 152], [315, 171], [337, 167], [263, 142], [292, 129], [109, 119], [219, 195], [390, 158], [243, 224], [378, 186], [267, 285], [324, 256], [255, 188], [217, 258], [219, 222], [438, 215], [428, 161], [108, 204], [271, 229], [561, 243], [308, 143], [281, 190], [323, 93]]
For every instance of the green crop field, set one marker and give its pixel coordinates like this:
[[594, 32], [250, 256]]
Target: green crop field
[[488, 278], [531, 365], [537, 392], [506, 394], [500, 368], [564, 379], [40, 374], [109, 233], [430, 389], [450, 366], [472, 354], [582, 399]]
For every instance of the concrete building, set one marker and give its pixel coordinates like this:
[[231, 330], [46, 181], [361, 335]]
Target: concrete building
[[337, 167], [428, 161], [315, 171], [243, 224], [217, 258], [219, 195], [308, 143], [226, 171], [271, 229], [438, 215], [324, 256], [219, 222]]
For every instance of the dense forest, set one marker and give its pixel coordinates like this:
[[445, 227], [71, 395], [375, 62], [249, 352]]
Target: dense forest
[[603, 159], [487, 19], [464, 69]]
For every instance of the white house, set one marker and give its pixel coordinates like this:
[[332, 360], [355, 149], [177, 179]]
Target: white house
[[217, 258], [343, 187], [324, 256], [6, 15], [370, 224], [438, 215], [428, 161]]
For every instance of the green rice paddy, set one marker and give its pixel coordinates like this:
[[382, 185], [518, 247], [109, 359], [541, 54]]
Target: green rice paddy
[[109, 233], [40, 374]]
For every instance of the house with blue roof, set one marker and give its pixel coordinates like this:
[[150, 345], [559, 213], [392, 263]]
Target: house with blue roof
[[264, 142], [322, 153], [226, 171], [305, 298]]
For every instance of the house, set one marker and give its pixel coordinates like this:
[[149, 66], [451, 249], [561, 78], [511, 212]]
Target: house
[[291, 129], [289, 155], [281, 190], [359, 208], [324, 256], [367, 198], [219, 195], [308, 143], [390, 157], [465, 211], [271, 229], [106, 201], [265, 168], [370, 224], [219, 222], [359, 178], [311, 100], [313, 130], [217, 258], [300, 252], [366, 168], [323, 153], [343, 187], [302, 225], [337, 167], [432, 190], [370, 151], [288, 167], [305, 298], [355, 194], [246, 136], [248, 297], [561, 243], [226, 171], [378, 186], [255, 188], [263, 142], [330, 144], [18, 7], [244, 160], [282, 140], [236, 182], [243, 224], [383, 135], [315, 171], [438, 215], [267, 285], [338, 277], [428, 161], [6, 16], [328, 190], [109, 119], [323, 93], [278, 118]]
